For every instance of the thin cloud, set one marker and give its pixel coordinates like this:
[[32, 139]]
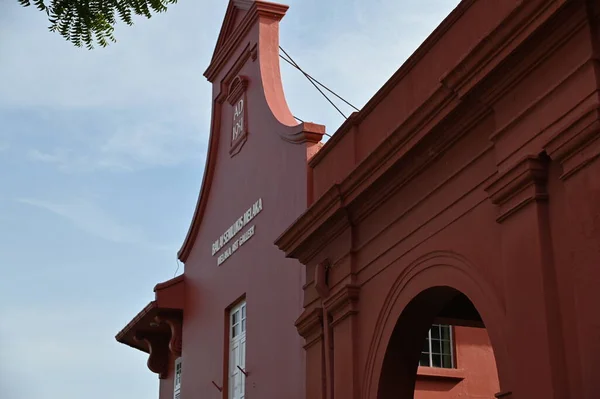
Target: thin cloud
[[58, 157], [130, 72], [91, 219], [66, 356], [143, 103], [356, 52], [129, 147], [153, 144]]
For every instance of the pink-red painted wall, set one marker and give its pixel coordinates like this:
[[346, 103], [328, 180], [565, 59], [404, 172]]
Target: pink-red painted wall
[[475, 375], [477, 175], [473, 172], [271, 167]]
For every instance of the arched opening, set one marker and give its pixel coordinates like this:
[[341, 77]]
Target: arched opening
[[439, 349]]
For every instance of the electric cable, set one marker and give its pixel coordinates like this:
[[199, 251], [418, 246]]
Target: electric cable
[[295, 65], [308, 76]]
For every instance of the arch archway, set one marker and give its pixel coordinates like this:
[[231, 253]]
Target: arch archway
[[427, 288]]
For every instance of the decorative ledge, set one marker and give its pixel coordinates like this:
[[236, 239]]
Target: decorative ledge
[[342, 303], [306, 132], [303, 239], [519, 186], [435, 373], [578, 144], [232, 34], [310, 326], [171, 293], [237, 87]]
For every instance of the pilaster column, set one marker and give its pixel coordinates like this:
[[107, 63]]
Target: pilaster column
[[535, 327], [577, 149], [341, 305], [310, 327]]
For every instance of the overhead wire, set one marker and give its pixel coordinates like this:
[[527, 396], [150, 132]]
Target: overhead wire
[[314, 82], [176, 270], [295, 65]]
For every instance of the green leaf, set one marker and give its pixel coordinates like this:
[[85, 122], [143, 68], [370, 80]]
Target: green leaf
[[89, 22]]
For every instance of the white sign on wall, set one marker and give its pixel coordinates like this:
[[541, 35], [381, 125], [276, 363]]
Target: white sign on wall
[[238, 120], [237, 226]]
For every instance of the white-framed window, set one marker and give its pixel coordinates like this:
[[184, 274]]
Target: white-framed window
[[177, 379], [237, 351], [438, 349]]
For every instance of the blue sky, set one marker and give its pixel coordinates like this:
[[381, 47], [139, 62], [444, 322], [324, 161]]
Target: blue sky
[[101, 159]]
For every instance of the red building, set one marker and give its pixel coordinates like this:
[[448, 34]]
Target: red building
[[255, 185], [465, 193]]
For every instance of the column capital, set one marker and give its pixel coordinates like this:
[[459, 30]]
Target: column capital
[[342, 303], [519, 186], [310, 326], [577, 143]]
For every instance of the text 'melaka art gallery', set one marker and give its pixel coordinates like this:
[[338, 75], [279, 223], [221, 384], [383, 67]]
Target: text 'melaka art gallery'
[[443, 243]]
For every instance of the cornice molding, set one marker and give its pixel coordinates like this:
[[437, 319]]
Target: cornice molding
[[169, 283], [472, 69], [593, 13], [358, 195], [412, 62], [528, 55], [421, 124], [493, 49], [237, 87], [328, 207], [415, 160], [310, 326], [578, 143], [344, 129], [228, 24], [343, 303], [258, 9], [306, 132], [415, 59], [519, 186]]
